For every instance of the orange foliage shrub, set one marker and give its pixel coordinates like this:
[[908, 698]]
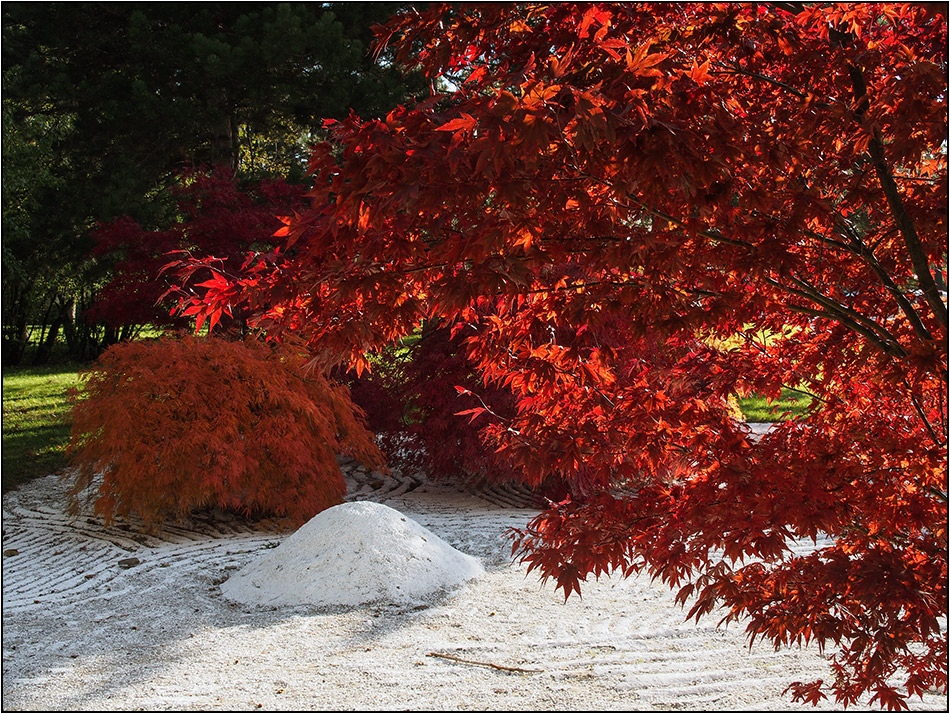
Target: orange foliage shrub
[[181, 423]]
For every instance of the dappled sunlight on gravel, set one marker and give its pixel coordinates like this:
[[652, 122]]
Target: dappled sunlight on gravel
[[109, 618]]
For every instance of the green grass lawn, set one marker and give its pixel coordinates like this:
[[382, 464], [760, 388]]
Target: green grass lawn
[[757, 409], [35, 421]]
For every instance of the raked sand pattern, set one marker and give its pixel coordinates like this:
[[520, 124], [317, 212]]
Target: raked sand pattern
[[98, 618]]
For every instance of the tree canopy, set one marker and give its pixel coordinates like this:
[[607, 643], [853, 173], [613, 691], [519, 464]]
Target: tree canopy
[[631, 212]]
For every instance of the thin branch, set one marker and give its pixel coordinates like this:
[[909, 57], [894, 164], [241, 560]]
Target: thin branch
[[502, 667], [710, 233], [591, 284], [934, 491], [842, 317], [943, 408], [868, 254], [908, 231], [729, 69], [815, 294], [867, 327], [922, 179], [572, 375], [706, 233], [806, 393], [854, 320], [762, 349], [831, 242], [793, 8], [923, 416], [487, 408]]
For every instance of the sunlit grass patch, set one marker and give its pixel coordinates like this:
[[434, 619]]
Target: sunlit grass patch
[[35, 420], [757, 408]]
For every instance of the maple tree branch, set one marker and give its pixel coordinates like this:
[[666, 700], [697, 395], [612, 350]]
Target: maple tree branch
[[831, 242], [860, 323], [594, 388], [865, 251], [909, 232], [904, 222], [557, 369], [860, 249], [579, 286], [934, 491], [805, 392], [793, 8], [922, 179], [884, 236], [711, 233], [883, 338], [943, 412], [839, 313], [486, 408], [738, 71], [922, 415], [838, 308], [761, 348], [423, 268]]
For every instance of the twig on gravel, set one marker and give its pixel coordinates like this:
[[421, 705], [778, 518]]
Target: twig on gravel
[[502, 667]]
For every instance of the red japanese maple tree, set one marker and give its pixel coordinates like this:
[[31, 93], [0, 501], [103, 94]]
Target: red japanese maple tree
[[412, 399], [217, 216], [161, 427], [640, 210]]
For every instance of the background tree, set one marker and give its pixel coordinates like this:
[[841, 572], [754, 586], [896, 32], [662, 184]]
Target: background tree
[[32, 275], [641, 210], [122, 97], [219, 216]]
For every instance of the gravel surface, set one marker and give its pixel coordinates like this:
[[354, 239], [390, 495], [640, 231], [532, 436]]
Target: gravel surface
[[98, 618]]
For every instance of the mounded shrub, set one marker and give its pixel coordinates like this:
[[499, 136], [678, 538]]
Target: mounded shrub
[[181, 423]]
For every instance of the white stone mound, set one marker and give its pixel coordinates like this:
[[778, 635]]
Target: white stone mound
[[353, 554]]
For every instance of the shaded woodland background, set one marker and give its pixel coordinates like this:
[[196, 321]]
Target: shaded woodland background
[[109, 106]]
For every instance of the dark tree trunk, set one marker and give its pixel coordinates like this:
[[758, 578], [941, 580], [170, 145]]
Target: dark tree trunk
[[45, 349]]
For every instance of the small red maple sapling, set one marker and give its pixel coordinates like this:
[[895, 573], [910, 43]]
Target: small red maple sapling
[[163, 427]]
